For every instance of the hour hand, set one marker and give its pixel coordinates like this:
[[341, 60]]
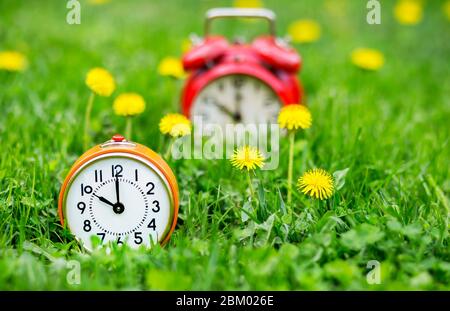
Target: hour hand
[[104, 200]]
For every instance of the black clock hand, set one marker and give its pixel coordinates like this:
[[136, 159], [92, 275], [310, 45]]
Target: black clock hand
[[118, 208], [237, 115], [104, 200], [224, 109], [117, 190]]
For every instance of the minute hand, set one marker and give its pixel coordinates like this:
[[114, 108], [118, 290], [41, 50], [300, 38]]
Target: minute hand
[[117, 190]]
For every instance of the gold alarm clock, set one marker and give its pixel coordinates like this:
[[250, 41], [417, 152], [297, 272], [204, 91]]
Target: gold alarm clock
[[121, 192]]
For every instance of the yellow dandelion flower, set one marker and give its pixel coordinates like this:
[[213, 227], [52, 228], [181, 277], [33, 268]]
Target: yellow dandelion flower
[[98, 2], [304, 31], [128, 104], [368, 59], [248, 158], [100, 81], [175, 124], [12, 61], [171, 66], [316, 183], [248, 4], [294, 116], [408, 12], [447, 9]]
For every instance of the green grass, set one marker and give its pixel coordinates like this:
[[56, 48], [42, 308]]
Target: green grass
[[389, 128]]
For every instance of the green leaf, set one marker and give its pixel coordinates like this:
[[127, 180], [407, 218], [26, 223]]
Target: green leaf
[[28, 201], [168, 280], [246, 210], [412, 230], [394, 225], [341, 270], [421, 280], [361, 236], [339, 178], [264, 230], [282, 204], [286, 219], [242, 234], [300, 145], [262, 200], [289, 251]]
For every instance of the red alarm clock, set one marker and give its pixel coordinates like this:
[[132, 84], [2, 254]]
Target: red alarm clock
[[232, 83]]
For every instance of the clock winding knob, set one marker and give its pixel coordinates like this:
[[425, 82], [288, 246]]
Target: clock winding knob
[[118, 138]]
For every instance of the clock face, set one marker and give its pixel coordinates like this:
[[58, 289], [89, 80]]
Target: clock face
[[236, 99], [120, 198]]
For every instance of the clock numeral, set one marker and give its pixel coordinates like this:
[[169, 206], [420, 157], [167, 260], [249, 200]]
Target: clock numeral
[[85, 189], [117, 170], [81, 206], [238, 82], [98, 176], [156, 209], [102, 235], [220, 86], [238, 97], [152, 224], [119, 241], [135, 175], [138, 238], [271, 101], [152, 186], [87, 225]]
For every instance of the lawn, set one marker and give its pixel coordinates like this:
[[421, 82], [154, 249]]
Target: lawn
[[389, 128]]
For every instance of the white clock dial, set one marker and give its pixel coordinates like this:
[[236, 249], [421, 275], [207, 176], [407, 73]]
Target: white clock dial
[[237, 99], [121, 198]]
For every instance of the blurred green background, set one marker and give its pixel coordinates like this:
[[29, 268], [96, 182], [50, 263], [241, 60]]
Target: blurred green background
[[390, 128]]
